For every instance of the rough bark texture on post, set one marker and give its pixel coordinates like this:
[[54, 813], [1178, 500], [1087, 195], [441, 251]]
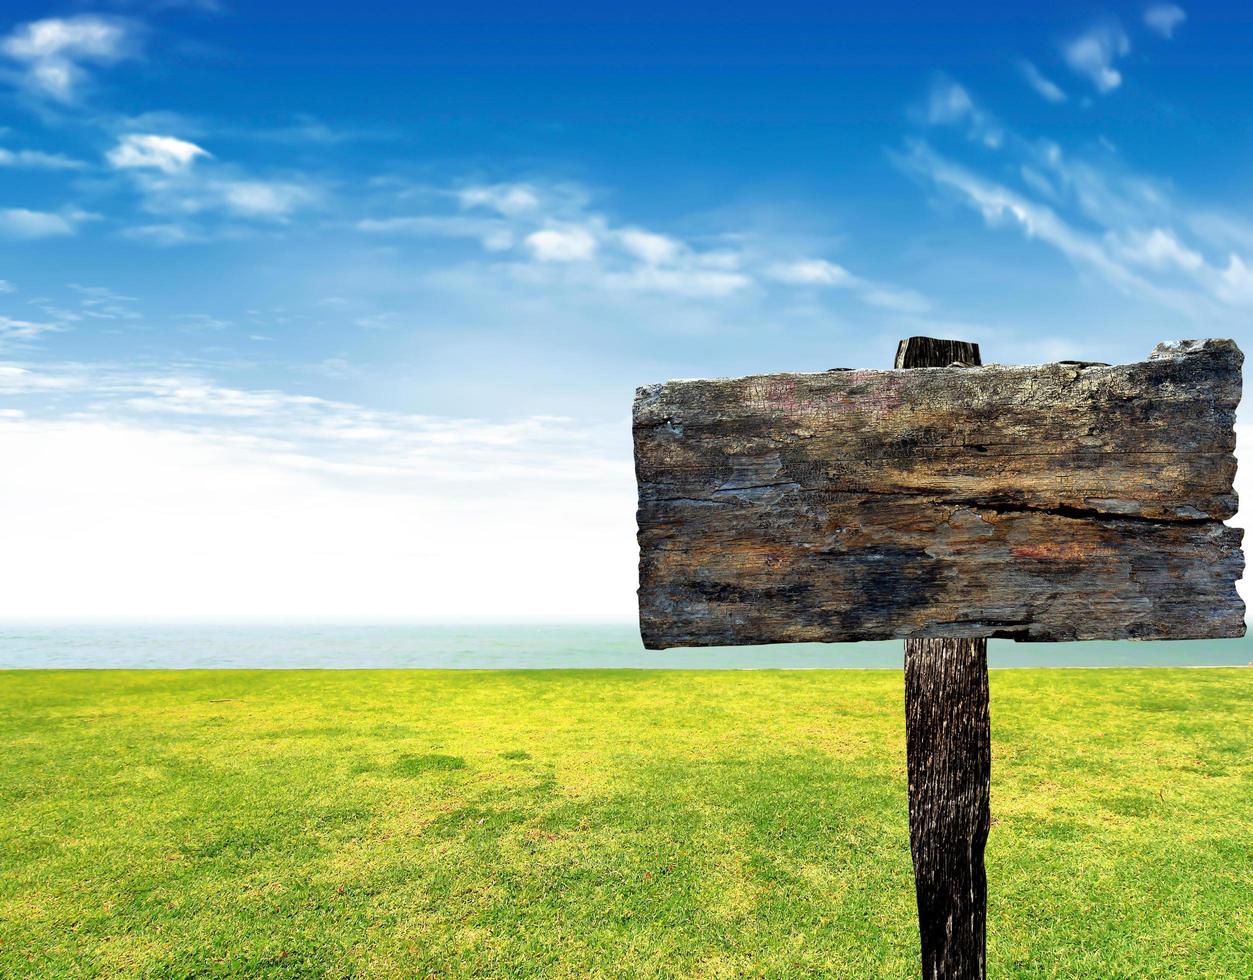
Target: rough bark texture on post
[[949, 749], [948, 746]]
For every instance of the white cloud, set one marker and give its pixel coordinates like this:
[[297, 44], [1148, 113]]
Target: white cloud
[[212, 500], [1046, 88], [6, 286], [185, 523], [1158, 249], [650, 247], [1092, 55], [22, 223], [263, 199], [1236, 282], [565, 244], [1163, 18], [168, 154], [510, 200], [811, 272], [37, 160], [52, 51]]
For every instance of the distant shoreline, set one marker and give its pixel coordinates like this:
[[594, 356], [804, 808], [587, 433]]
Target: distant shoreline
[[520, 646]]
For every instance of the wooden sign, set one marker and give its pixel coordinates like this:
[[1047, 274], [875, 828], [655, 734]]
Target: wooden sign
[[1068, 501], [1065, 501]]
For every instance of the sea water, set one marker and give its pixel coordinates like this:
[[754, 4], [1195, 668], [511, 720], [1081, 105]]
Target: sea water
[[518, 645]]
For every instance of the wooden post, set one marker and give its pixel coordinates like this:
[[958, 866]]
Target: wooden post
[[948, 746]]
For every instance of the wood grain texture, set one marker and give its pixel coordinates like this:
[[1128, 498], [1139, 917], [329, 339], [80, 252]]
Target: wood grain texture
[[1053, 502], [949, 750]]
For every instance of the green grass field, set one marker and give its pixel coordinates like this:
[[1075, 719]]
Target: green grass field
[[604, 824]]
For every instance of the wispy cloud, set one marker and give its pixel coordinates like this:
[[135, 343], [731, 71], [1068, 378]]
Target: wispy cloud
[[492, 233], [15, 332], [1092, 55], [508, 199], [102, 303], [307, 129], [221, 194], [1164, 18], [169, 234], [1158, 249], [25, 224], [19, 379], [949, 104], [691, 280], [1236, 282], [52, 54], [999, 205], [38, 160], [316, 434], [83, 304], [1123, 226], [650, 247], [811, 272], [251, 198], [821, 273], [1046, 88]]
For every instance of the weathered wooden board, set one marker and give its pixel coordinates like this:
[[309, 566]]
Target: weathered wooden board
[[1053, 502]]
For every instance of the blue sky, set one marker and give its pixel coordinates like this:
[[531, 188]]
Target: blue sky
[[337, 310]]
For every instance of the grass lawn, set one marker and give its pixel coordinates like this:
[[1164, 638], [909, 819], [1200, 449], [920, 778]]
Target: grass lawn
[[604, 824]]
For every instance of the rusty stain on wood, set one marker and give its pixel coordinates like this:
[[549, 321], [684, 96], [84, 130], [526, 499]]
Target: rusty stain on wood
[[1054, 502]]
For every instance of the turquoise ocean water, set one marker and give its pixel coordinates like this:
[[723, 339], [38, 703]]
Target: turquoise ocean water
[[185, 645]]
